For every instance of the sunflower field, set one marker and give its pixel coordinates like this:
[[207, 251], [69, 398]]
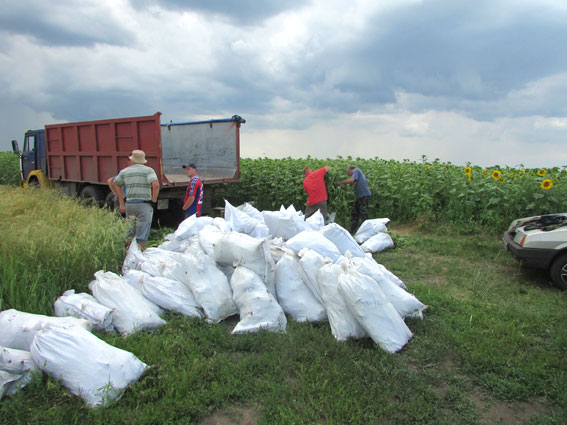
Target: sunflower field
[[404, 191]]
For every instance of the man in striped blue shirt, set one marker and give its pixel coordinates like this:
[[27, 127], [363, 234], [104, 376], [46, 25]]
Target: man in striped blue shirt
[[142, 189]]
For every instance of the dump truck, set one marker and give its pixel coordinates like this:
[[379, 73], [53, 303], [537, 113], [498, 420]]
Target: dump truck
[[79, 157]]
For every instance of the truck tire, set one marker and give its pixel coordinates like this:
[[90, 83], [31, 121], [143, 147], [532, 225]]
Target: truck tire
[[93, 194], [110, 202], [33, 182], [558, 271]]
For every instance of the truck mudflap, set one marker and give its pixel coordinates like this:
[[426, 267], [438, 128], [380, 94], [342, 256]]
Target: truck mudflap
[[37, 178]]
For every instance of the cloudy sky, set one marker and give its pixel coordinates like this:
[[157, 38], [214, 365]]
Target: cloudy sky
[[479, 81]]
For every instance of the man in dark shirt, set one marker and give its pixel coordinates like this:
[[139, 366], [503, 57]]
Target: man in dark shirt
[[362, 194]]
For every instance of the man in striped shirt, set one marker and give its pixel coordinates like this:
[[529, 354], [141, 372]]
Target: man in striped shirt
[[194, 194], [141, 189]]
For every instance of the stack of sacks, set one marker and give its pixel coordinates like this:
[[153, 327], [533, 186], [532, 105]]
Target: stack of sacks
[[64, 348], [17, 369], [372, 235]]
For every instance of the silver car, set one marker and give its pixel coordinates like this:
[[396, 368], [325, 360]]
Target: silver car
[[541, 242]]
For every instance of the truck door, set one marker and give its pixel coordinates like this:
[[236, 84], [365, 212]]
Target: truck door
[[29, 155]]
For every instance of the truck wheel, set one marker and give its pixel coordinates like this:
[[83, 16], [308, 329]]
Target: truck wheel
[[110, 202], [558, 271], [93, 194]]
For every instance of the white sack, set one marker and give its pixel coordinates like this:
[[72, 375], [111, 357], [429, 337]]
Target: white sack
[[370, 267], [208, 237], [257, 306], [223, 225], [343, 324], [134, 258], [89, 367], [166, 293], [377, 243], [342, 239], [316, 221], [260, 231], [280, 223], [17, 328], [8, 383], [309, 266], [240, 221], [315, 241], [251, 211], [370, 228], [406, 304], [84, 306], [18, 363], [132, 311], [159, 263], [209, 285], [191, 226], [278, 249], [294, 296], [135, 278], [174, 245], [254, 254], [374, 312]]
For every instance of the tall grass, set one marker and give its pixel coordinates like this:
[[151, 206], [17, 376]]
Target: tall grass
[[50, 243]]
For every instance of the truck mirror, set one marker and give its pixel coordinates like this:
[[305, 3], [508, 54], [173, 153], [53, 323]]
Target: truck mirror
[[15, 147]]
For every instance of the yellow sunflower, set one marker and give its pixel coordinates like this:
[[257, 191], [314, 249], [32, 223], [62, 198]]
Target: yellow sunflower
[[428, 166], [546, 184], [485, 172], [497, 174], [542, 172], [468, 171], [511, 175]]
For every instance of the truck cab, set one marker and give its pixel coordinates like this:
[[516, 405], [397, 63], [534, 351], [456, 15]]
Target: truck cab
[[33, 157]]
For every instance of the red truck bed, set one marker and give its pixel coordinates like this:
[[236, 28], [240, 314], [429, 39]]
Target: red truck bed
[[93, 151]]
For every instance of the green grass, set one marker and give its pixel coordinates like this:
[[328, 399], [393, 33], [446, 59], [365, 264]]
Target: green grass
[[493, 339]]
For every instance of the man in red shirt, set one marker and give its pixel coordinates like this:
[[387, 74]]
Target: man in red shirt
[[314, 185]]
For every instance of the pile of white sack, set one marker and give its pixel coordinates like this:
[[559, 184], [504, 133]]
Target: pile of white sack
[[259, 265]]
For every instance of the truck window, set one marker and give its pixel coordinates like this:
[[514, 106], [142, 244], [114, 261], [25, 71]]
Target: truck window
[[29, 144]]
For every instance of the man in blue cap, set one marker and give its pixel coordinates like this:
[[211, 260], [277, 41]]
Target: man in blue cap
[[194, 194], [359, 210]]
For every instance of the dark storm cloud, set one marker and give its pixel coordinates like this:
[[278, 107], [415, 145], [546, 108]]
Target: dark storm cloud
[[62, 23], [248, 12], [451, 53]]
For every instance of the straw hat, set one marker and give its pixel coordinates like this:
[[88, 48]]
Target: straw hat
[[138, 157]]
